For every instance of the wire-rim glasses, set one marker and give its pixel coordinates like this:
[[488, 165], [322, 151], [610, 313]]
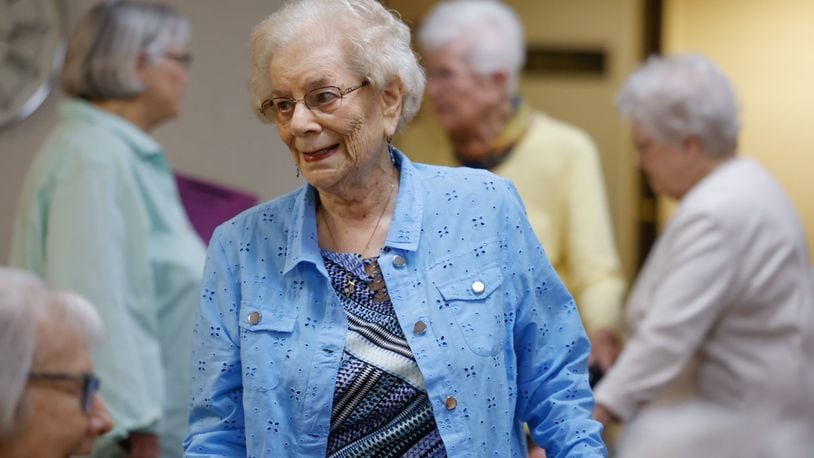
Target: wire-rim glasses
[[183, 59], [90, 384], [322, 100]]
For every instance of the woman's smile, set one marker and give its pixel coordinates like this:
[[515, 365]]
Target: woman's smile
[[320, 154]]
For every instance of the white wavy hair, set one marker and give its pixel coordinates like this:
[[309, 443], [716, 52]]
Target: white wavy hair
[[30, 313], [675, 97], [490, 29], [377, 42]]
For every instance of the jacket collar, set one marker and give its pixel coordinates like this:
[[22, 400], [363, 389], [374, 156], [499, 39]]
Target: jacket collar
[[405, 228]]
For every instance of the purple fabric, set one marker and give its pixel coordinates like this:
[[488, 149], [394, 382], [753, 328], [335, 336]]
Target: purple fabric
[[209, 204]]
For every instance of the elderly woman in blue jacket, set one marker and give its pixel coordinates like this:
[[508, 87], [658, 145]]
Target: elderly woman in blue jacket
[[385, 308]]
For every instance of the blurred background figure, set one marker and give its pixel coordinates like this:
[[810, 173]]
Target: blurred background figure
[[385, 308], [100, 215], [721, 319], [474, 52], [49, 405]]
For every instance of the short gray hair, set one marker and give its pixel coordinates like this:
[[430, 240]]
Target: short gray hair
[[18, 338], [490, 29], [676, 97], [105, 45], [377, 39], [26, 307]]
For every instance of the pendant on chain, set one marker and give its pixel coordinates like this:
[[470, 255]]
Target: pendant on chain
[[350, 287], [377, 284]]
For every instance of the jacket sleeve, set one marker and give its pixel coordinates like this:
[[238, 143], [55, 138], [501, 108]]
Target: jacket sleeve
[[686, 302], [95, 244], [216, 416], [591, 256], [551, 348]]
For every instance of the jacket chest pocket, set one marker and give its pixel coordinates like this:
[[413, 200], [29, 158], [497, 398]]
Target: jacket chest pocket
[[265, 346], [474, 298]]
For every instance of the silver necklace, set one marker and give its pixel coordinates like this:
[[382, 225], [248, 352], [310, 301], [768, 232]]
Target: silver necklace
[[375, 228], [350, 284]]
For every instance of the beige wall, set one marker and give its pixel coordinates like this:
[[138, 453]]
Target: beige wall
[[217, 138], [585, 101], [766, 49]]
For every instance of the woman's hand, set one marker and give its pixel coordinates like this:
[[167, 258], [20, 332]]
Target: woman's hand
[[605, 349], [604, 416], [535, 451], [143, 445]]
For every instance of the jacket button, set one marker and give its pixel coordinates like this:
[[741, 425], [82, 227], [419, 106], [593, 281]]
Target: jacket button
[[420, 327], [451, 403], [399, 261], [254, 318], [478, 287]]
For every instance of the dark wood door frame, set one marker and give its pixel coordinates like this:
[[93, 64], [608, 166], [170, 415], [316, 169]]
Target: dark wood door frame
[[648, 201]]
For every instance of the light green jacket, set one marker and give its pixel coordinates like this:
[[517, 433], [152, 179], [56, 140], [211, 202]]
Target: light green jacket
[[100, 215]]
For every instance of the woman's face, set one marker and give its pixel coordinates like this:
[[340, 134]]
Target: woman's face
[[58, 425], [341, 148], [165, 79], [461, 97], [665, 166]]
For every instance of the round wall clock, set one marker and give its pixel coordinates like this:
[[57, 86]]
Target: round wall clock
[[31, 52]]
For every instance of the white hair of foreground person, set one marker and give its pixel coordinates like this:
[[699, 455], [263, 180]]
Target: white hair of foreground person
[[677, 97], [26, 306], [376, 42], [490, 29]]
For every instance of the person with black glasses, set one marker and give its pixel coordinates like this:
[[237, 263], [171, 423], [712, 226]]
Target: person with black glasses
[[49, 400], [100, 214]]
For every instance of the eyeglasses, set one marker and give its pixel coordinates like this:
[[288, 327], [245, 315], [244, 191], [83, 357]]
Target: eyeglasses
[[184, 59], [90, 384], [322, 100]]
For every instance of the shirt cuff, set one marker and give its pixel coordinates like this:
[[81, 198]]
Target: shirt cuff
[[617, 404]]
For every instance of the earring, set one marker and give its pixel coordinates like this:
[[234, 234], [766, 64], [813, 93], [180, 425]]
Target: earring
[[298, 171], [392, 150]]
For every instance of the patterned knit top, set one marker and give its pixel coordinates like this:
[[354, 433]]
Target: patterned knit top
[[380, 404]]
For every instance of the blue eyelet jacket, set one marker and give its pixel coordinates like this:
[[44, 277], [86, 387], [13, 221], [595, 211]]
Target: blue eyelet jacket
[[499, 341]]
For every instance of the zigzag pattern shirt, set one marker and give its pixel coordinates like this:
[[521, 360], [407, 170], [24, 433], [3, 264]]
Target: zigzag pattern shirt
[[380, 406]]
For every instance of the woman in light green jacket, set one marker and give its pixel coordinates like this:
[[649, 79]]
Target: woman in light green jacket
[[100, 215]]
